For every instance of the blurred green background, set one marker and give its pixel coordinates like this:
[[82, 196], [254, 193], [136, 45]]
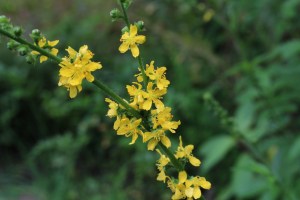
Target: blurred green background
[[242, 56]]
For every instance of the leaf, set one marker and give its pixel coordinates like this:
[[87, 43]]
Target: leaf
[[215, 150]]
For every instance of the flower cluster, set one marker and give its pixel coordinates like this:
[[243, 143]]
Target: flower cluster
[[76, 67], [47, 45], [155, 125], [187, 188]]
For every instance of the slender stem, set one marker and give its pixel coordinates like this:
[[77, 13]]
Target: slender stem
[[173, 160], [125, 14], [32, 46], [142, 68], [116, 97]]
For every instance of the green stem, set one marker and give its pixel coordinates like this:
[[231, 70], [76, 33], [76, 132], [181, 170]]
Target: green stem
[[125, 17], [117, 98], [173, 160], [32, 46], [142, 68]]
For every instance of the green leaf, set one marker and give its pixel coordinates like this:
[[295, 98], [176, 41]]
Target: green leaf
[[215, 150]]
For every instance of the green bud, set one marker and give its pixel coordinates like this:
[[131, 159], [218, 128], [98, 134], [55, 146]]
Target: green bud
[[22, 50], [126, 3], [12, 45], [125, 29], [35, 35], [36, 32], [17, 31], [140, 25], [4, 19], [115, 14], [30, 59]]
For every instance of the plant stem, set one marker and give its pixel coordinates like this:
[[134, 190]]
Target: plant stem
[[125, 14], [142, 68], [32, 46], [117, 98], [173, 160]]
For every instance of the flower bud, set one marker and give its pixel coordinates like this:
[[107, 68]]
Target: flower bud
[[35, 35], [22, 50], [125, 29], [4, 19], [36, 32], [12, 45], [30, 59], [115, 14], [17, 31], [140, 25]]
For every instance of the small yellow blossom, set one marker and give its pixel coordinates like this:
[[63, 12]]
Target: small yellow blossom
[[153, 95], [130, 40], [129, 128], [155, 137], [186, 152], [163, 119], [161, 163], [158, 76], [113, 107], [44, 44], [75, 68], [136, 93], [187, 188]]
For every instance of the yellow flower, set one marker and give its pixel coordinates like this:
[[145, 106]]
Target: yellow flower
[[130, 41], [186, 152], [188, 188], [75, 68], [44, 44], [158, 76], [136, 93], [195, 191], [113, 107], [129, 128], [155, 137], [163, 119], [153, 95], [161, 163]]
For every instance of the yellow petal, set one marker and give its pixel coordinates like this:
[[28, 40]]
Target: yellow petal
[[73, 92], [42, 42], [35, 53], [140, 39], [204, 183], [147, 105], [166, 141], [53, 43], [134, 50], [133, 30], [123, 47], [71, 52], [194, 161], [43, 59], [89, 77], [152, 144], [134, 138], [67, 72], [189, 192], [92, 66], [54, 51], [182, 177], [197, 192]]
